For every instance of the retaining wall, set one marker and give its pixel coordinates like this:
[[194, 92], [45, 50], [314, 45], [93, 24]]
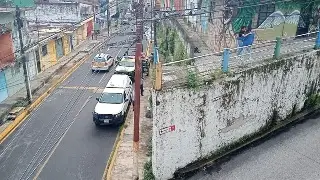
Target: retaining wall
[[192, 124]]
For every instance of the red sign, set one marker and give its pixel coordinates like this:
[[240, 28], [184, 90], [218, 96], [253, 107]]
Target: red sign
[[167, 129]]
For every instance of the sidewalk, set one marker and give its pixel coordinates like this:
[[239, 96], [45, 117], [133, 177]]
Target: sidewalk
[[122, 168], [44, 79]]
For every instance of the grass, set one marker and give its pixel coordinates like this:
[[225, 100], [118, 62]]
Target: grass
[[147, 173]]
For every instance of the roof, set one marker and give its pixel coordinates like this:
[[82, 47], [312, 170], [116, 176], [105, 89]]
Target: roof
[[113, 90], [128, 58], [117, 80]]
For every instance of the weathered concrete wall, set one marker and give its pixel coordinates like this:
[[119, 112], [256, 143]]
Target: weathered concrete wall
[[213, 117], [54, 12]]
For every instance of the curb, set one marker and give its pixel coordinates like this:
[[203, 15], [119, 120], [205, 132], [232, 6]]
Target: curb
[[24, 114], [113, 155], [277, 128]]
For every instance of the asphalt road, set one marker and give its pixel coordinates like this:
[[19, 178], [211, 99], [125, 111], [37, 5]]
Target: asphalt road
[[292, 155], [59, 140]]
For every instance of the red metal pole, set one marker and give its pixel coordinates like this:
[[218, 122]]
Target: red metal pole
[[137, 92]]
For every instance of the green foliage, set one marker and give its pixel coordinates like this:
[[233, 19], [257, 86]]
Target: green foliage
[[172, 40], [149, 147], [147, 173], [192, 80], [170, 46], [312, 101], [180, 52]]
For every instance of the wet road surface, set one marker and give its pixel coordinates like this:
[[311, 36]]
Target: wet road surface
[[59, 140], [291, 155]]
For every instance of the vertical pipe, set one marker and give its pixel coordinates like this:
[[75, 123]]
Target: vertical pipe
[[136, 110], [225, 60], [317, 46], [277, 48]]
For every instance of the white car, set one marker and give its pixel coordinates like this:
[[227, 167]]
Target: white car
[[114, 102], [102, 62], [126, 66]]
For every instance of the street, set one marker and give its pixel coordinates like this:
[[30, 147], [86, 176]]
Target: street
[[59, 140], [293, 154]]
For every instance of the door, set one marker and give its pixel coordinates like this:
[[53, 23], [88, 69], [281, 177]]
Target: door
[[38, 61], [59, 48], [31, 65], [3, 87], [71, 43]]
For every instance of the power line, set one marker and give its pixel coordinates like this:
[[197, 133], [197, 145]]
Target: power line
[[56, 133]]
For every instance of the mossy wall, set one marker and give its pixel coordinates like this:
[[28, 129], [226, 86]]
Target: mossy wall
[[209, 118]]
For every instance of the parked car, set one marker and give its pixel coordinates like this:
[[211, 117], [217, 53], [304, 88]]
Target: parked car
[[126, 66], [102, 62], [114, 102]]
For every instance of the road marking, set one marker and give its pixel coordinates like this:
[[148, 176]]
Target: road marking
[[102, 77], [64, 134], [24, 115], [79, 87]]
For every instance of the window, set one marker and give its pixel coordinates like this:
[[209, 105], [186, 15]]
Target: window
[[263, 12], [126, 64], [44, 50], [111, 98]]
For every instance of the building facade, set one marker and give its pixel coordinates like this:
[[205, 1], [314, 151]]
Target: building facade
[[11, 72]]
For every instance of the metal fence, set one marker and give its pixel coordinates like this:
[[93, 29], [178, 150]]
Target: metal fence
[[237, 59]]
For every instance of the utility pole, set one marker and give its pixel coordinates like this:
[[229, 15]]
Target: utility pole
[[94, 17], [154, 24], [24, 61], [138, 75], [108, 17]]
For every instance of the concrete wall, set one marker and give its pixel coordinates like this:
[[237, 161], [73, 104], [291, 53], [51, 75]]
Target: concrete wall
[[14, 78], [54, 12], [204, 120]]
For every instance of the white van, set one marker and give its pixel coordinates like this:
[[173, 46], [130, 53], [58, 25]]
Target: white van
[[114, 102], [119, 81]]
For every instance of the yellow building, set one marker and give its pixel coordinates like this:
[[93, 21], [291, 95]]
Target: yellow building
[[47, 54]]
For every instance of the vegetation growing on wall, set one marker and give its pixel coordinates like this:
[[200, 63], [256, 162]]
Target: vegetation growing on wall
[[147, 172], [171, 46]]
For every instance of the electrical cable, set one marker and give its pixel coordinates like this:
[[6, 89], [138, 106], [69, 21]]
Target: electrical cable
[[239, 7], [25, 126], [54, 144]]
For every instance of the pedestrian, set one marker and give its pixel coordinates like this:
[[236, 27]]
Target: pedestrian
[[247, 40], [240, 43], [141, 86]]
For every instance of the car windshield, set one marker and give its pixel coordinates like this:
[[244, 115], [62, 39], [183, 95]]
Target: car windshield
[[111, 98], [99, 59], [126, 64]]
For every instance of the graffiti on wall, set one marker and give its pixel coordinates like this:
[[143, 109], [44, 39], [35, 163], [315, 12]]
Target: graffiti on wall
[[284, 19]]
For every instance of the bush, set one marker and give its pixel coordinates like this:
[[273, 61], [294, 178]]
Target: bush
[[192, 79]]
